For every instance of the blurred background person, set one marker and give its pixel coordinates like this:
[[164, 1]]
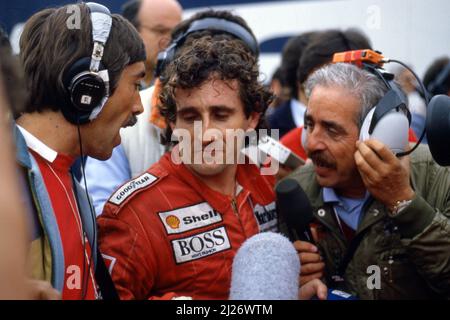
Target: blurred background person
[[416, 102], [281, 93], [154, 20], [289, 115], [437, 77]]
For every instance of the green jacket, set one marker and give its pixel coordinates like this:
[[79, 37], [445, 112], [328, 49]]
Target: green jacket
[[411, 250]]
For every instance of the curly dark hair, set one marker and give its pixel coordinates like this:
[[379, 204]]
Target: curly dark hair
[[220, 56]]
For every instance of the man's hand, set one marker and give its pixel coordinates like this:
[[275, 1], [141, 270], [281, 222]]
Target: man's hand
[[42, 290], [313, 288], [311, 263], [385, 176]]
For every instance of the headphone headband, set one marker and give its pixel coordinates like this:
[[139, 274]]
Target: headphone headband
[[226, 26], [86, 80], [101, 27], [216, 25]]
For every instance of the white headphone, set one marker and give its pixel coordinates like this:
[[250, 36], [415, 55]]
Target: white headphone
[[388, 121]]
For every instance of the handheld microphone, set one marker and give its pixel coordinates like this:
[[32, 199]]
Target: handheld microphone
[[293, 204], [266, 267], [438, 129]]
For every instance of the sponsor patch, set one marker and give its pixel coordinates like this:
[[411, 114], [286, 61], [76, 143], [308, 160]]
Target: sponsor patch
[[109, 262], [132, 186], [200, 245], [266, 217], [189, 218]]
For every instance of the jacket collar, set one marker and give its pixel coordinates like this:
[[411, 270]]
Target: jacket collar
[[249, 183], [373, 211], [22, 154]]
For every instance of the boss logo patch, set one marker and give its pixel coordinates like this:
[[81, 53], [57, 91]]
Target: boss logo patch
[[200, 245], [189, 218], [129, 188], [266, 217]]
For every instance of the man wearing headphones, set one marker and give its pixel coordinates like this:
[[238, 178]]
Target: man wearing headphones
[[83, 87], [381, 221], [174, 230]]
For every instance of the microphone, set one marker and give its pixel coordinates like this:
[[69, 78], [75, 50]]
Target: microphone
[[438, 129], [293, 204], [266, 267]]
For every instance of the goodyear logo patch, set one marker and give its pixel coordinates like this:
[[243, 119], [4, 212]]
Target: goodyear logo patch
[[131, 187]]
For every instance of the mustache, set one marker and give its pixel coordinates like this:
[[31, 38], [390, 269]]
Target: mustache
[[132, 120], [321, 159]]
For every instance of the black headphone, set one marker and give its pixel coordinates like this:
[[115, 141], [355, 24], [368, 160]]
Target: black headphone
[[437, 86], [87, 81], [216, 25]]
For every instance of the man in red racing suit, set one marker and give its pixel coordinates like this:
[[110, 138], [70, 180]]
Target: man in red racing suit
[[166, 234]]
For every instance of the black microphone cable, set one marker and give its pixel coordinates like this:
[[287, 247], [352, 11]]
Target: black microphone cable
[[427, 100]]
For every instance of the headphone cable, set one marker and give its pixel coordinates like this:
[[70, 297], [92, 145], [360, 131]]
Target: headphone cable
[[422, 87]]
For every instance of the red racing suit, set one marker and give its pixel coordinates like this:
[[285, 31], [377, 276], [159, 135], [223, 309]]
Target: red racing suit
[[166, 234]]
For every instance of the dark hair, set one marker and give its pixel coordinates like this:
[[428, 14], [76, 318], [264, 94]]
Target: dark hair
[[11, 76], [292, 52], [325, 44], [219, 55], [46, 58], [130, 11], [183, 26], [434, 71]]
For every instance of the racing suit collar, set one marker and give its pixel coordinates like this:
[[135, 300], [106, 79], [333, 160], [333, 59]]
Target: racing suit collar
[[249, 182]]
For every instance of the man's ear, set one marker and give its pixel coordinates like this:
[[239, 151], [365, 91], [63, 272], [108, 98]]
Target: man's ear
[[172, 125], [253, 120]]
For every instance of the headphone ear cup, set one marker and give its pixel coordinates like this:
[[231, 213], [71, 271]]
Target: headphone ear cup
[[85, 92], [392, 130]]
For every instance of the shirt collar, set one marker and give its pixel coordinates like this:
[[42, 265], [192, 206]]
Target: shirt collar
[[38, 146], [330, 196]]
